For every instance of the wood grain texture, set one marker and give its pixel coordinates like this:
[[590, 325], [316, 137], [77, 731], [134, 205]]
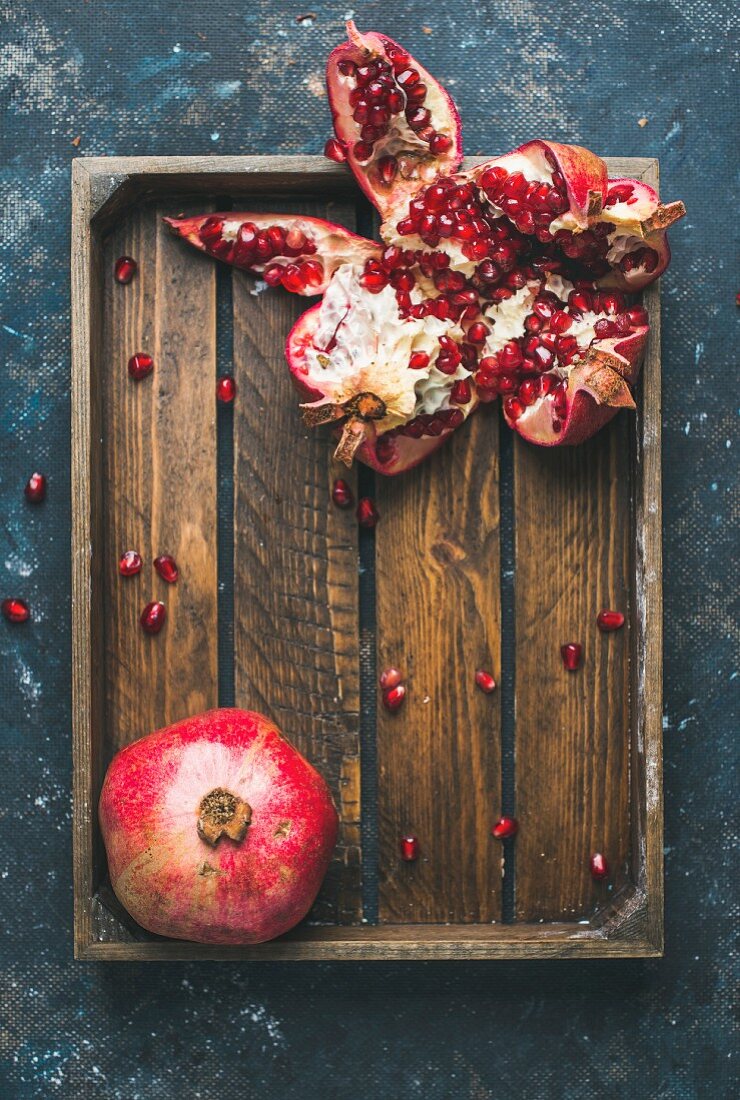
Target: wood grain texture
[[438, 614], [296, 624], [160, 480], [572, 525]]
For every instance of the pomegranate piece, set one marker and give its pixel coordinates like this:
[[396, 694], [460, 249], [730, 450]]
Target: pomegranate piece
[[153, 617], [367, 513], [16, 610], [571, 653], [129, 563], [609, 620], [410, 848], [35, 490], [505, 827], [390, 678], [599, 867], [393, 698], [241, 851], [225, 389], [485, 681], [124, 269], [140, 365], [166, 566], [341, 494]]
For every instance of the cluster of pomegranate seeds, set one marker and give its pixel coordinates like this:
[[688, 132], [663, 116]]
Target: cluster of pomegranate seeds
[[225, 389], [599, 866], [608, 621], [367, 513], [166, 566], [153, 617], [342, 494], [410, 848], [571, 653], [392, 687], [485, 681], [504, 828], [124, 269], [253, 247], [383, 90], [140, 365], [530, 204], [129, 563], [16, 610], [35, 489]]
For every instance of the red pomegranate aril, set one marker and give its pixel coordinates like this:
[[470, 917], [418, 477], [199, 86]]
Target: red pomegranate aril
[[418, 360], [362, 151], [153, 617], [461, 392], [367, 513], [533, 323], [510, 355], [225, 389], [35, 489], [342, 494], [621, 192], [485, 681], [410, 848], [638, 316], [390, 677], [387, 168], [347, 68], [16, 610], [599, 867], [611, 303], [166, 566], [129, 563], [603, 329], [507, 383], [579, 301], [273, 274], [513, 408], [407, 77], [124, 270], [312, 272], [293, 278], [393, 698], [440, 143], [547, 384], [560, 321], [478, 333], [140, 365], [335, 150], [418, 118], [609, 620], [505, 828], [529, 391], [571, 654]]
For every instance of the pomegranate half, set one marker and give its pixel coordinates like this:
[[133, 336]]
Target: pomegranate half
[[217, 830]]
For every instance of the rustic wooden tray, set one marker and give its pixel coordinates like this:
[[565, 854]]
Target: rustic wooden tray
[[492, 553]]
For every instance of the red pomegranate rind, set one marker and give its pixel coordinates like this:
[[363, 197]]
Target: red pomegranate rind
[[400, 158], [293, 251], [639, 251]]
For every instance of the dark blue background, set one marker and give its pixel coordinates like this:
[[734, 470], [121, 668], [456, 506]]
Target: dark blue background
[[218, 77]]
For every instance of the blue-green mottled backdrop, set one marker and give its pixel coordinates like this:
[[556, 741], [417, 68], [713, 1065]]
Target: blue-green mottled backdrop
[[221, 77]]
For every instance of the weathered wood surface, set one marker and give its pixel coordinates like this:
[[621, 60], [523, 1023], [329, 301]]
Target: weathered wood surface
[[296, 625], [438, 616], [159, 446]]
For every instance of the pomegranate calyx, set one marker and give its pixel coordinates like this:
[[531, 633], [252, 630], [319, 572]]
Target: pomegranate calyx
[[602, 375], [666, 214], [222, 813]]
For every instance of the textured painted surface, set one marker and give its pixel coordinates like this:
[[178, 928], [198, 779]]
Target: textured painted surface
[[220, 77]]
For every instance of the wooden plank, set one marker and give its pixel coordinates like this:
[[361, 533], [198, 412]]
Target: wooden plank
[[572, 530], [438, 615], [296, 624], [160, 479]]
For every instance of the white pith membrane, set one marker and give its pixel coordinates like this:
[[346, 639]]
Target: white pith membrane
[[360, 344]]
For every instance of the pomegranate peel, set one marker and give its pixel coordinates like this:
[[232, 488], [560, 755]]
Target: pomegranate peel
[[216, 829]]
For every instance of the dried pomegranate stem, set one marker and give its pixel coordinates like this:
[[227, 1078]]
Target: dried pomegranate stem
[[223, 814]]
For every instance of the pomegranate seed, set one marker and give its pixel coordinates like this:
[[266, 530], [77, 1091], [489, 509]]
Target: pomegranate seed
[[609, 620], [638, 316], [153, 617], [407, 77], [35, 489], [529, 391], [225, 389], [485, 681], [410, 848], [374, 281], [418, 360], [513, 408], [571, 653], [599, 866], [140, 365], [560, 321], [505, 827], [125, 269], [440, 143], [461, 393], [129, 563], [478, 333], [166, 566], [362, 151], [367, 513], [390, 678], [292, 278], [510, 355], [16, 610], [273, 274], [394, 697], [387, 168], [341, 494]]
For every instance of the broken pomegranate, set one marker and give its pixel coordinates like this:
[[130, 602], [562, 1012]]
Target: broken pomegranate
[[512, 280], [216, 829]]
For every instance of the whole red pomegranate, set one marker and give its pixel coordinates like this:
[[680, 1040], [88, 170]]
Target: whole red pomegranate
[[508, 280], [217, 829]]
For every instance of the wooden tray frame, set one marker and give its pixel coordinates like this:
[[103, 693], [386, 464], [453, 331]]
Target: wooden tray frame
[[633, 924]]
